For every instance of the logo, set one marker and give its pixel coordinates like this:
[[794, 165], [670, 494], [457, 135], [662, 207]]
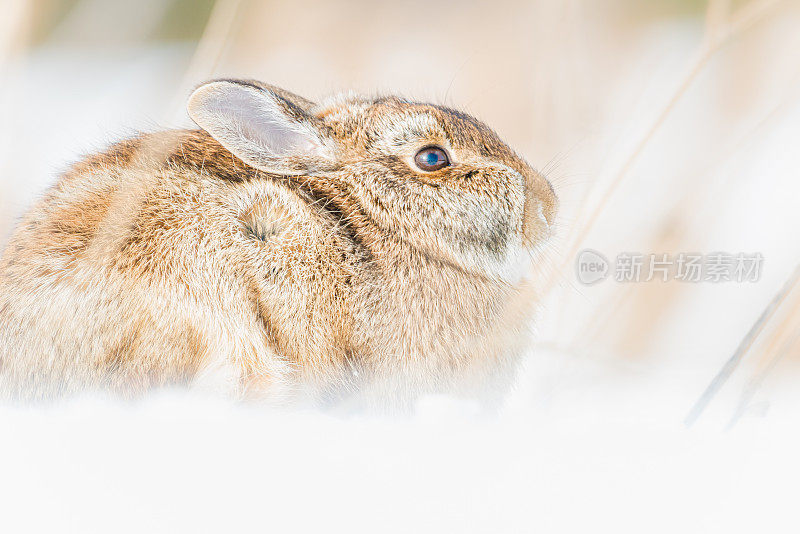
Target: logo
[[591, 267]]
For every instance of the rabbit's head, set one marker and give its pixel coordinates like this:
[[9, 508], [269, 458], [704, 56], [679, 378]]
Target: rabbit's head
[[435, 179]]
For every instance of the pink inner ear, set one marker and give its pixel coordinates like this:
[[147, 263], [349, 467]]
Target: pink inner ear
[[250, 123]]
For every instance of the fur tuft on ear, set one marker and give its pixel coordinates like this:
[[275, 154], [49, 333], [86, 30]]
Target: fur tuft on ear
[[260, 126]]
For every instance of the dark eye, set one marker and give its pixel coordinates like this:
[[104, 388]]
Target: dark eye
[[431, 158]]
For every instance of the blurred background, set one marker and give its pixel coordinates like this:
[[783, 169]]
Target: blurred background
[[666, 126]]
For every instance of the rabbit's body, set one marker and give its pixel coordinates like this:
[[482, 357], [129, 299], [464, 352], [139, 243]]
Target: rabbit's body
[[169, 260]]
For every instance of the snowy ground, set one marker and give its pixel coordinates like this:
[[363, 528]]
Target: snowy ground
[[180, 464]]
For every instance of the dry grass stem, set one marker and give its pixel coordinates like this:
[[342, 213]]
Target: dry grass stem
[[730, 366], [742, 20]]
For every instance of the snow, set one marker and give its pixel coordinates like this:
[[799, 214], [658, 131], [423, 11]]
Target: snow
[[177, 463]]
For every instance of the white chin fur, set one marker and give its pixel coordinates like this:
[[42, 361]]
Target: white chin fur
[[517, 267], [514, 268]]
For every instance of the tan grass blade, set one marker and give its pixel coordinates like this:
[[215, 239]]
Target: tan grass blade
[[209, 50], [14, 34], [744, 18], [675, 231]]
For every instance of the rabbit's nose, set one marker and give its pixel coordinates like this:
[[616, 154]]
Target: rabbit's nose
[[549, 201], [541, 206]]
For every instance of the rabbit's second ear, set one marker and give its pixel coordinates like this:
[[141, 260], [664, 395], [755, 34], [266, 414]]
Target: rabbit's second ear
[[260, 128]]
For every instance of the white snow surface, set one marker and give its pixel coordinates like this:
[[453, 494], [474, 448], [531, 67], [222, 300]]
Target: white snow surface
[[611, 458]]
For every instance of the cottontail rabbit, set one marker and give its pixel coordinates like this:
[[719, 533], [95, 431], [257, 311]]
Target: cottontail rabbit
[[287, 249]]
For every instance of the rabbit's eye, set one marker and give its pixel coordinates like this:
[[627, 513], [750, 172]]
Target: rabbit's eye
[[431, 158]]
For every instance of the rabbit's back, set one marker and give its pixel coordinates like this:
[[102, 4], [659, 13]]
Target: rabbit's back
[[126, 275]]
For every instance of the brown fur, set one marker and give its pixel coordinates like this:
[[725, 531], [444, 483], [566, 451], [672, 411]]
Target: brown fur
[[168, 260]]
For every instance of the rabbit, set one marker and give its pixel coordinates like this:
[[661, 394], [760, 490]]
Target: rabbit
[[285, 251]]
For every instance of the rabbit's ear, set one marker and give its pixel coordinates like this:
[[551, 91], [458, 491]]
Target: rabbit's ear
[[261, 126]]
